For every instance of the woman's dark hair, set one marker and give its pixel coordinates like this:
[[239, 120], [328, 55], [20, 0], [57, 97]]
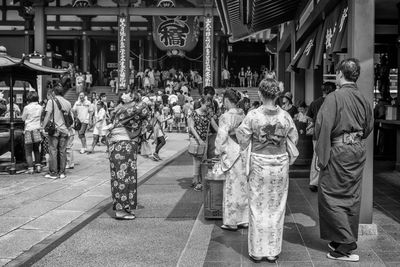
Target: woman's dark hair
[[269, 89], [350, 69], [32, 97], [232, 95], [58, 90], [101, 103], [256, 104], [209, 90]]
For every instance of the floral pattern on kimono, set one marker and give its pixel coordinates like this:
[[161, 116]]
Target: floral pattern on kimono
[[123, 155], [235, 206], [268, 131]]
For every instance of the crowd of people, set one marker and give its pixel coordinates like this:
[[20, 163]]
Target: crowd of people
[[252, 145], [245, 77]]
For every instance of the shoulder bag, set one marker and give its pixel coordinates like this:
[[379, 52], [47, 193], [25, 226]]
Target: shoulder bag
[[68, 120], [50, 127]]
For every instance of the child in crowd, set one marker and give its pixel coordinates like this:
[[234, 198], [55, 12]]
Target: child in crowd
[[99, 124]]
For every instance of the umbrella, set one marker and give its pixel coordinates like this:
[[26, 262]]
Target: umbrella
[[13, 69]]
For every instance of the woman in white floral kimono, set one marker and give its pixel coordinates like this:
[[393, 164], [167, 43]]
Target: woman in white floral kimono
[[235, 207], [266, 131]]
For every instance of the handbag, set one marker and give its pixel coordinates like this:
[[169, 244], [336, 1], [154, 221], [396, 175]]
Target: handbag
[[77, 124], [195, 148], [145, 149], [292, 151], [50, 127], [216, 173]]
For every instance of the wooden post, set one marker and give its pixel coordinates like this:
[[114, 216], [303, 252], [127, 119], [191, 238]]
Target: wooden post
[[361, 46]]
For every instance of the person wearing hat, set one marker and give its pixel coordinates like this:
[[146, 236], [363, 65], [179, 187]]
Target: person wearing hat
[[288, 104]]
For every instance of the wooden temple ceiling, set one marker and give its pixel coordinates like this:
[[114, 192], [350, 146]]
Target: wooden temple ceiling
[[242, 18]]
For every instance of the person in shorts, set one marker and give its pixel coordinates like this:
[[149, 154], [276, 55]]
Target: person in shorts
[[83, 110]]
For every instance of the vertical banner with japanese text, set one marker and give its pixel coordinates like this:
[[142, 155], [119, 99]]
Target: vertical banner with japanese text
[[208, 51], [123, 52]]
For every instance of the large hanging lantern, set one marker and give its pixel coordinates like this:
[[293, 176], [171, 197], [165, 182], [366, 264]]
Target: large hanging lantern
[[175, 34]]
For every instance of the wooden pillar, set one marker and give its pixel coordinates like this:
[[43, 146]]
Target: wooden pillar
[[123, 46], [208, 48], [141, 55], [76, 52], [217, 53], [40, 42], [297, 79], [398, 65], [361, 46], [150, 50], [281, 67], [40, 28], [85, 52]]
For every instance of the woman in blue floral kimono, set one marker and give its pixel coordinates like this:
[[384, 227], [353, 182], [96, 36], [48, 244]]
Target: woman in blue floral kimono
[[128, 124], [267, 130], [235, 207]]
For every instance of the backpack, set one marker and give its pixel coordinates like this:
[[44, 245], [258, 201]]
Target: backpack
[[68, 119]]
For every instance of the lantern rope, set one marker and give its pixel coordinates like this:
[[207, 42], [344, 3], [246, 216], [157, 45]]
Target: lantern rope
[[195, 59], [149, 60]]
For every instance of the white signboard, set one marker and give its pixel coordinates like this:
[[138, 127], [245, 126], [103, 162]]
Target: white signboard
[[208, 51]]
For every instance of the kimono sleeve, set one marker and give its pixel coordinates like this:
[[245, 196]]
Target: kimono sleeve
[[244, 132], [323, 129], [222, 136]]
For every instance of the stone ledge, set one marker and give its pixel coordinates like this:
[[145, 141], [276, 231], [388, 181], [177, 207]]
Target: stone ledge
[[367, 229]]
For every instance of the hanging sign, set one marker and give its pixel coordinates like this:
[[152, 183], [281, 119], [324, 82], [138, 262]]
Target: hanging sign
[[175, 32], [208, 51], [122, 51]]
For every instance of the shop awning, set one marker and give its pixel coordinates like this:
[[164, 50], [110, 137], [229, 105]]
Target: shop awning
[[335, 29], [241, 18], [330, 37]]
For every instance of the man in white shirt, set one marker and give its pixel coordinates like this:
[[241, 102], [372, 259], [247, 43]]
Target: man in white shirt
[[172, 99], [83, 111]]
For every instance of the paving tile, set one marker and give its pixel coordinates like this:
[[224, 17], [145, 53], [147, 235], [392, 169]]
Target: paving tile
[[221, 264], [389, 256], [65, 195], [82, 203], [378, 243], [53, 220], [224, 252], [8, 224], [392, 264], [4, 210], [18, 241], [34, 209], [287, 255], [294, 263]]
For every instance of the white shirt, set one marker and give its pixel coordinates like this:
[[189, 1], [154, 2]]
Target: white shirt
[[31, 115], [177, 109], [172, 99], [83, 110]]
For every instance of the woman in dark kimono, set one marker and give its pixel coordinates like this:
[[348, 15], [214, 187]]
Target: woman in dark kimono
[[128, 124]]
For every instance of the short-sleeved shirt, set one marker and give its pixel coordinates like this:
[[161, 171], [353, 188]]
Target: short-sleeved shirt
[[201, 124], [58, 116]]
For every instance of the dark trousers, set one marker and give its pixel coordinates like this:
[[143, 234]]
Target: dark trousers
[[160, 142], [29, 148], [58, 153]]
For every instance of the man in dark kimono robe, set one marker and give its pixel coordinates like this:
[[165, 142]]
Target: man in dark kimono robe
[[344, 122]]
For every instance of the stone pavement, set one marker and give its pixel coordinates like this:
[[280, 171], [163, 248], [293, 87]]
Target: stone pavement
[[168, 233], [34, 209]]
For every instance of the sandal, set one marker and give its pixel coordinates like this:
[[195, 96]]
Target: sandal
[[272, 259], [255, 259], [126, 216], [229, 228], [243, 225], [198, 187]]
